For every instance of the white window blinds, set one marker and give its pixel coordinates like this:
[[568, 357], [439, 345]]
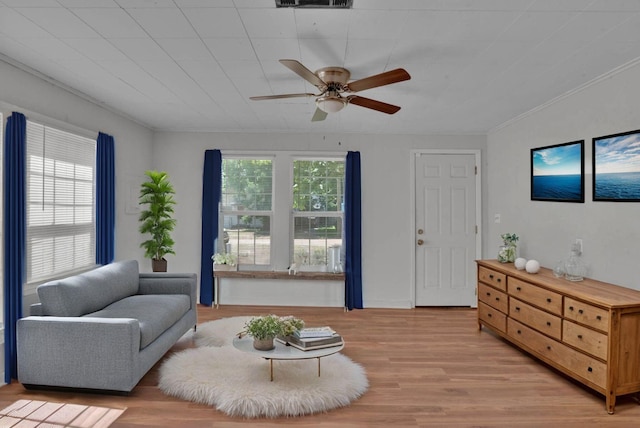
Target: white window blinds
[[60, 202]]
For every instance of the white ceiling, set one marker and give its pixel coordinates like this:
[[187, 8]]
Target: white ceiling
[[193, 64]]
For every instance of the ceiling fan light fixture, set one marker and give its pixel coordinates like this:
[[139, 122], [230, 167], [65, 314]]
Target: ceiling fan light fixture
[[331, 104]]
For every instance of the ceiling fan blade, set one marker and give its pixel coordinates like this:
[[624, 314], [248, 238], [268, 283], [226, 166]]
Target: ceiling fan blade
[[386, 78], [372, 104], [319, 115], [276, 97], [303, 72]]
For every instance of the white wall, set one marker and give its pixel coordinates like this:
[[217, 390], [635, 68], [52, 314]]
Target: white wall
[[386, 200], [611, 231], [43, 101]]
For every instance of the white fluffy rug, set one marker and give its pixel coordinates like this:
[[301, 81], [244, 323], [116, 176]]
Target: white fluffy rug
[[238, 384]]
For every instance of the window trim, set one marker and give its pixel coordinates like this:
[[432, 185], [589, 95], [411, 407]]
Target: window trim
[[282, 199]]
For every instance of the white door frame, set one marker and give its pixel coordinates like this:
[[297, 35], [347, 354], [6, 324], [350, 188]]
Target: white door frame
[[414, 155]]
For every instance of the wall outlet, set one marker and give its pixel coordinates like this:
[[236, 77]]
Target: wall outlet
[[496, 218]]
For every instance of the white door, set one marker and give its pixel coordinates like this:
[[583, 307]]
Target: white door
[[445, 230]]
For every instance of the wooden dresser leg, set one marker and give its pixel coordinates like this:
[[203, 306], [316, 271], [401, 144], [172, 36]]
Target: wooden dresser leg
[[611, 403]]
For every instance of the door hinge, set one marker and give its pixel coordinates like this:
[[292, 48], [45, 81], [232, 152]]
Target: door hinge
[[476, 167], [476, 229]]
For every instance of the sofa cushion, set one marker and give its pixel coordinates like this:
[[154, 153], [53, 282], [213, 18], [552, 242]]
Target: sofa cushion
[[89, 291], [155, 313]]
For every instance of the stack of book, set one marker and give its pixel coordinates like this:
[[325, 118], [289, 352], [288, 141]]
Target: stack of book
[[312, 338]]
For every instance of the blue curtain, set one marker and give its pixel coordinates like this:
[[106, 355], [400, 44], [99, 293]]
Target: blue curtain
[[211, 193], [353, 233], [15, 224], [105, 199]]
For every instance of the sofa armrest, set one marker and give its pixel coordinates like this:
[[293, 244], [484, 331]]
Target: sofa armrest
[[169, 283], [78, 351], [36, 309]]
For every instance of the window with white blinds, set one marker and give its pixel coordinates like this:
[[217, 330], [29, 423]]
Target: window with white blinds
[[60, 202]]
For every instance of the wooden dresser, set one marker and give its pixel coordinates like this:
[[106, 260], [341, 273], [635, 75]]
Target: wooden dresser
[[589, 330]]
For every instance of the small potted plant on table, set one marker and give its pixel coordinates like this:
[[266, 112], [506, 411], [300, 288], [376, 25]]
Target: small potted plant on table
[[264, 329], [224, 261]]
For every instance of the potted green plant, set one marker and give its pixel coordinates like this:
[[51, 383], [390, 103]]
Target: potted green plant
[[508, 251], [157, 219], [224, 261], [264, 329]]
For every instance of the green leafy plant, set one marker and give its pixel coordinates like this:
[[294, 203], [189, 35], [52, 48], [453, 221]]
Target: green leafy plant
[[264, 327], [224, 259], [509, 239], [507, 253], [290, 325], [157, 219]]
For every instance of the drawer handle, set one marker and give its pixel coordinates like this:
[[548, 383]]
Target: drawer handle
[[488, 293], [549, 300], [548, 323], [590, 369], [599, 318], [489, 315], [518, 289], [570, 308], [580, 336], [517, 309], [580, 311], [490, 276], [519, 332], [499, 280], [548, 348]]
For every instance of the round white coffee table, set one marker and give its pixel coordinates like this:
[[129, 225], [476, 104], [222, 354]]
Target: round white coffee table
[[284, 352]]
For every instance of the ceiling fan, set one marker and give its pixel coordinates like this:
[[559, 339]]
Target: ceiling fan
[[333, 82]]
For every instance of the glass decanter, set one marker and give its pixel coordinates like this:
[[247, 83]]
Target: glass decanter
[[574, 267]]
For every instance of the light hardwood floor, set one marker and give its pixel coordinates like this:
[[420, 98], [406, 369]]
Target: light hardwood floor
[[426, 367]]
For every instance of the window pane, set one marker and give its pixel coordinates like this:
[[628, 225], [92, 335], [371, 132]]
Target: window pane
[[249, 238], [313, 236], [60, 212], [247, 189], [318, 185], [247, 184], [318, 196]]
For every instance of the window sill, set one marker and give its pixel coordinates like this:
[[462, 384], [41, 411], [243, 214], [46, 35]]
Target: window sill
[[318, 276]]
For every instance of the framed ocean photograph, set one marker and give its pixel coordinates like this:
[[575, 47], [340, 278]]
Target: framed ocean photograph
[[557, 172], [616, 167]]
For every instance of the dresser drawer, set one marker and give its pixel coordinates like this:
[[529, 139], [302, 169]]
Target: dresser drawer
[[570, 360], [586, 314], [493, 297], [538, 319], [540, 297], [584, 338], [491, 277], [526, 335], [492, 316], [576, 362]]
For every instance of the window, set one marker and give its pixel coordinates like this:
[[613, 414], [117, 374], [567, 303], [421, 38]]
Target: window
[[318, 198], [280, 209], [60, 202], [247, 209]]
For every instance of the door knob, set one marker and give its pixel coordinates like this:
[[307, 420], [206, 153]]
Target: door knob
[[420, 242]]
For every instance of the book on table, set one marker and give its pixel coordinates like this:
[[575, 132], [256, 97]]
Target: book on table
[[311, 332], [310, 343]]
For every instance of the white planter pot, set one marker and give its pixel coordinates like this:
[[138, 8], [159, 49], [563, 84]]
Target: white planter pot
[[224, 267]]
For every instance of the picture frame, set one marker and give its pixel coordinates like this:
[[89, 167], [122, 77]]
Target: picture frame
[[616, 167], [557, 172]]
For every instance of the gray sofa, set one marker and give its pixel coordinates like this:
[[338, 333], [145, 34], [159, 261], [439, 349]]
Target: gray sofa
[[103, 329]]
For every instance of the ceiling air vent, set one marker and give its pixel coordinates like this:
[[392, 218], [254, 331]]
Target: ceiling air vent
[[325, 4]]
